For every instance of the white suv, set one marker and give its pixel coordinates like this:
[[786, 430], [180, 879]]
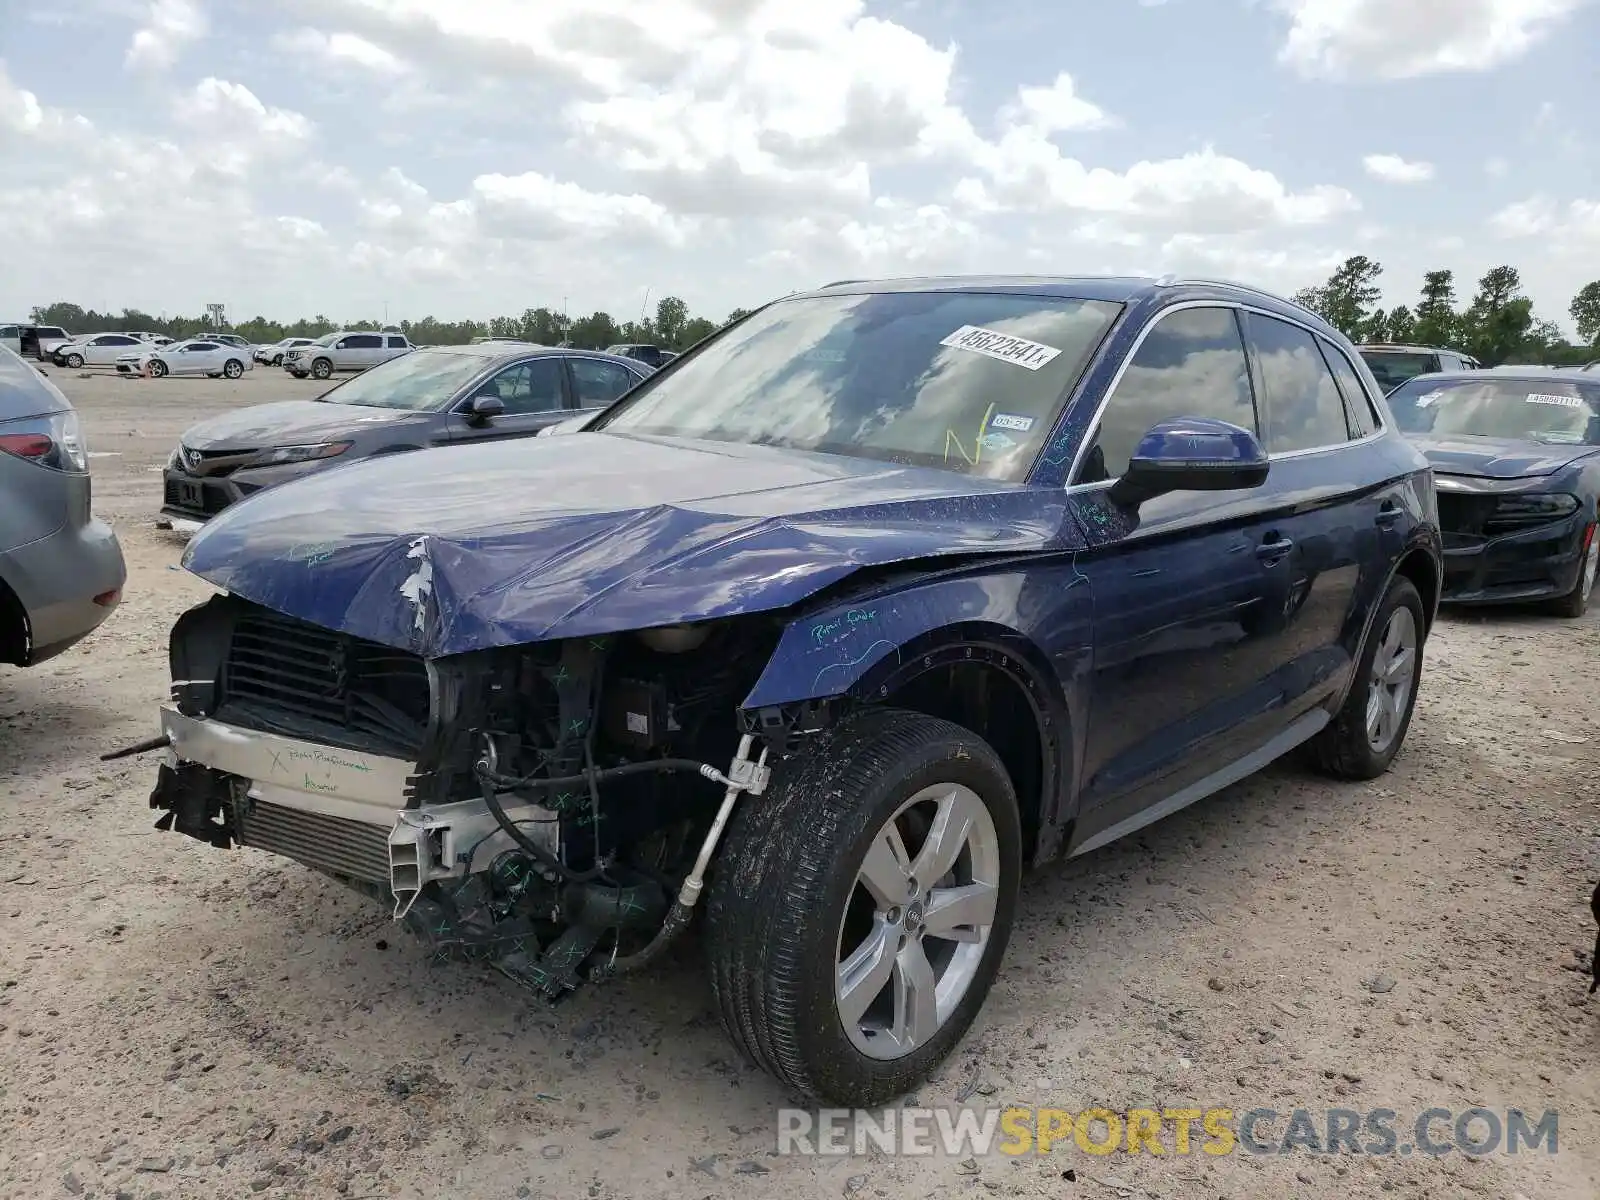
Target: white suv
[[345, 351]]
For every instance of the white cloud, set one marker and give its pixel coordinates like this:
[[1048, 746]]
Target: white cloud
[[538, 207], [169, 29], [1383, 39], [1496, 167], [233, 108], [1201, 192], [1056, 109], [338, 49], [1575, 225], [1391, 168]]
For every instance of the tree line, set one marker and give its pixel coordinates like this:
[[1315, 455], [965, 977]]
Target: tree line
[[1498, 326], [672, 327]]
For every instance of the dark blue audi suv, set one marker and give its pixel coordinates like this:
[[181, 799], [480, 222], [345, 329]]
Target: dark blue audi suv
[[837, 621]]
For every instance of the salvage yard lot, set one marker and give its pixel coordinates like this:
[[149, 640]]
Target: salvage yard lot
[[188, 1023]]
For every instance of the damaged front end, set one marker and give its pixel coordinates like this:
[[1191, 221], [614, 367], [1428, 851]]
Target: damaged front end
[[551, 808]]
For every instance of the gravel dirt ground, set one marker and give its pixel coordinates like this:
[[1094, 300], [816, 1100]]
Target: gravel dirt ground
[[183, 1022]]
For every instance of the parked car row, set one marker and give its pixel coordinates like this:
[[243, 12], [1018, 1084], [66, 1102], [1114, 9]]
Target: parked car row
[[442, 396]]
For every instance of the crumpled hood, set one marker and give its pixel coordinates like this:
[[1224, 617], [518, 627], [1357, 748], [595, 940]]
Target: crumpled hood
[[292, 423], [506, 543], [1498, 458]]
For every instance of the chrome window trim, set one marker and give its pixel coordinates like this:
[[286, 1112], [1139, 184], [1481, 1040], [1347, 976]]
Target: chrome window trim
[[1237, 306]]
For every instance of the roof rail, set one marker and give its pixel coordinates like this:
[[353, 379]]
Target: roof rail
[[842, 282]]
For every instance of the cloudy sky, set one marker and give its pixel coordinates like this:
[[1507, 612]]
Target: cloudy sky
[[474, 157]]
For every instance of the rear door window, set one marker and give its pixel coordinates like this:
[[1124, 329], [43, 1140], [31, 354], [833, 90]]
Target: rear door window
[[397, 343], [1359, 408], [1301, 405], [597, 382]]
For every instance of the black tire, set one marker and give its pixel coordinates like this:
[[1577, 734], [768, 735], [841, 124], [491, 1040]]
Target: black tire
[[75, 361], [233, 368], [157, 368], [787, 872], [1344, 749], [1576, 602], [277, 360], [321, 369]]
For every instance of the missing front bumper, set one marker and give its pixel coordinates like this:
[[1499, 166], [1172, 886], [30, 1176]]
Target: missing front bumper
[[342, 812]]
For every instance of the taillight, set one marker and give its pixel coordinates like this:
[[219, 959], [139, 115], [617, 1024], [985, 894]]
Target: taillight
[[26, 445], [54, 441]]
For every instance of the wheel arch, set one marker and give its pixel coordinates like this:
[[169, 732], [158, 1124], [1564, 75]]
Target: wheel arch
[[981, 675], [16, 632], [996, 683], [1423, 570]]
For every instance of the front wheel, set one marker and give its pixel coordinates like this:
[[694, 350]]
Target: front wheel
[[233, 368], [1369, 730], [321, 369], [861, 906], [157, 368], [1576, 602], [74, 361]]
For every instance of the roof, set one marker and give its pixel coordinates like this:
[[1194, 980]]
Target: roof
[[1529, 373], [1406, 346], [499, 350], [1115, 289]]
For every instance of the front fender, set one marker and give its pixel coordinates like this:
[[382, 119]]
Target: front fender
[[1018, 623], [829, 650]]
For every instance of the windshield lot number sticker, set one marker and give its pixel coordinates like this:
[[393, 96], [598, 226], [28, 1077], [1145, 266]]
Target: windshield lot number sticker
[[1560, 401], [1011, 421], [1003, 346]]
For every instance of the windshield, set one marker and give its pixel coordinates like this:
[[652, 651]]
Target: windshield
[[1545, 410], [1391, 368], [967, 381], [420, 381]]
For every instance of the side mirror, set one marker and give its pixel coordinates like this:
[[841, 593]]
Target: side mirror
[[485, 407], [1191, 454]]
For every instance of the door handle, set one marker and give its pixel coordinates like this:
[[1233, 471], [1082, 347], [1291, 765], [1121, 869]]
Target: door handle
[[1272, 551], [1389, 514]]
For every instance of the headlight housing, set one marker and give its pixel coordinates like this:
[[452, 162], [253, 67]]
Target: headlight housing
[[1537, 504], [282, 455]]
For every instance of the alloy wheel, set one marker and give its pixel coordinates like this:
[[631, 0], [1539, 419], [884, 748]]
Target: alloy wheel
[[1394, 672], [917, 922]]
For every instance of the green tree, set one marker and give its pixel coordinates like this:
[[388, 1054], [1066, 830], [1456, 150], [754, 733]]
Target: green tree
[[737, 314], [1585, 310], [1437, 321], [697, 329], [1402, 324], [1347, 301], [1498, 321], [672, 314], [595, 332]]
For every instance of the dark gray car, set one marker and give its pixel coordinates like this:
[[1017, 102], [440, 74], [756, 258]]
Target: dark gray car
[[61, 571], [439, 396]]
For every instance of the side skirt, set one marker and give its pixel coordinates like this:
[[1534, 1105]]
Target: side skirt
[[1303, 730]]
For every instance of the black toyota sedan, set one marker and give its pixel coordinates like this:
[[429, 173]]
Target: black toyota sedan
[[440, 396], [1516, 458]]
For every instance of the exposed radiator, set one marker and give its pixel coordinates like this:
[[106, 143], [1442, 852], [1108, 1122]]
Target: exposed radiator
[[351, 848]]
